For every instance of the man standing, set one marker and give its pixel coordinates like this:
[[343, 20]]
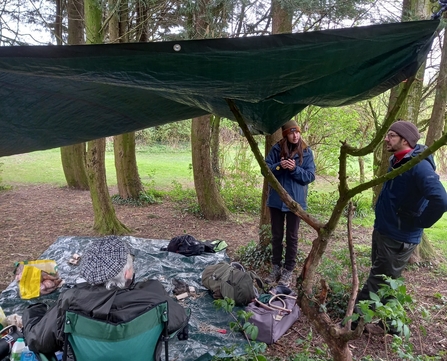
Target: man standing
[[406, 205]]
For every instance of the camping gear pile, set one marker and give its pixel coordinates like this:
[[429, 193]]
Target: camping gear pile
[[273, 311]]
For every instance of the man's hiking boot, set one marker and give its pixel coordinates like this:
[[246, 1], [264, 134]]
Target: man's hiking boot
[[274, 276], [286, 278]]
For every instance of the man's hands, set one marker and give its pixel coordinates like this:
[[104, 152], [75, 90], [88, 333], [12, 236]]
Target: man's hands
[[289, 164]]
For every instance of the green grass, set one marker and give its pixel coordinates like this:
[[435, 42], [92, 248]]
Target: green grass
[[45, 167], [162, 167]]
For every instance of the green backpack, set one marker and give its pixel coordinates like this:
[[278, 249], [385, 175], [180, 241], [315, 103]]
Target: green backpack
[[232, 281]]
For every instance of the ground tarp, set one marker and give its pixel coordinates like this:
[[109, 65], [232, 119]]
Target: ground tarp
[[150, 262], [53, 96]]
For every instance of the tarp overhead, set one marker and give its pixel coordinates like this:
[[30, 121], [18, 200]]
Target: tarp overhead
[[59, 95]]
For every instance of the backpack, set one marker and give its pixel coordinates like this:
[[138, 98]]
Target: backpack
[[232, 281], [186, 245]]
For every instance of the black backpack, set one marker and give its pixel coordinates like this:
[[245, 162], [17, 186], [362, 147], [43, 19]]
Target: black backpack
[[186, 245]]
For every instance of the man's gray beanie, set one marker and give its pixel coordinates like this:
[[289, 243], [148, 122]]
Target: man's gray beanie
[[406, 130]]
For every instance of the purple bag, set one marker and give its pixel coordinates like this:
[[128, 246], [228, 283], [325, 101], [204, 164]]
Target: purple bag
[[275, 318]]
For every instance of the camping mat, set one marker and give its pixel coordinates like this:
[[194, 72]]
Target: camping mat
[[150, 262]]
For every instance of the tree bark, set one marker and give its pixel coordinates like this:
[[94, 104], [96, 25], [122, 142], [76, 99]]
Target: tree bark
[[209, 198], [73, 156], [437, 118], [264, 221], [215, 144], [128, 179], [127, 176], [281, 23], [106, 221]]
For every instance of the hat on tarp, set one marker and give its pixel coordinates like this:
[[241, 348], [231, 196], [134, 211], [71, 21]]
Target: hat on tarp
[[406, 130], [104, 259]]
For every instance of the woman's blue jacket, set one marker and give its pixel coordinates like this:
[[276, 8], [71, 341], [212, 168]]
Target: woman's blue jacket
[[294, 182]]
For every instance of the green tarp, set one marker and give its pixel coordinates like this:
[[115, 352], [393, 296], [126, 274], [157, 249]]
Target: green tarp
[[151, 263], [59, 95]]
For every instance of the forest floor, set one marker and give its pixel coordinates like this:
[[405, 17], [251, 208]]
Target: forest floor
[[32, 217]]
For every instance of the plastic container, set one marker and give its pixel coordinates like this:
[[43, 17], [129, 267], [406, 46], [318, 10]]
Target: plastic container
[[28, 355], [17, 349], [7, 341]]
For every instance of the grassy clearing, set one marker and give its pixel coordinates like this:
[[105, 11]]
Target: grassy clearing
[[169, 169]]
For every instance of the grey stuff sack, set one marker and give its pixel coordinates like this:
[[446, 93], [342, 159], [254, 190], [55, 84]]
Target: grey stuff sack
[[273, 319]]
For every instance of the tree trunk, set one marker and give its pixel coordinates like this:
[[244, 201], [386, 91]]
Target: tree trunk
[[281, 23], [73, 156], [106, 221], [437, 119], [361, 161], [209, 198], [264, 221], [73, 164], [127, 176], [215, 130], [128, 179], [425, 250]]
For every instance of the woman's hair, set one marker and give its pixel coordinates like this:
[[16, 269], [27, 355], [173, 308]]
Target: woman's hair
[[120, 280], [288, 150]]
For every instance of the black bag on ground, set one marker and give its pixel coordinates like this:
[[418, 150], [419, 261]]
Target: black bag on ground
[[232, 281], [274, 318], [186, 245]]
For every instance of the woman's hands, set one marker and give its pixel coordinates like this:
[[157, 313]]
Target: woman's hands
[[289, 164]]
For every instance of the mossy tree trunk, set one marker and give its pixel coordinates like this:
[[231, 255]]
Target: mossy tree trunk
[[106, 221], [281, 23], [210, 201], [73, 156], [208, 196], [128, 179]]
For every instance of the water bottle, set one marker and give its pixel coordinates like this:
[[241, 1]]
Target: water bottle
[[17, 349], [8, 340], [28, 355]]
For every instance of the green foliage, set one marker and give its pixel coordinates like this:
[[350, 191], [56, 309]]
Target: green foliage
[[253, 349], [241, 189], [321, 203], [395, 293], [172, 135], [145, 198], [363, 207], [185, 199], [405, 351], [310, 351], [253, 256]]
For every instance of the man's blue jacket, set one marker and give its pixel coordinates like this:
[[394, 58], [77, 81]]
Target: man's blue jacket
[[412, 201], [294, 182]]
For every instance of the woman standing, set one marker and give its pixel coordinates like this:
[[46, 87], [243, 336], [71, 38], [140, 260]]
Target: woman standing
[[292, 163]]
